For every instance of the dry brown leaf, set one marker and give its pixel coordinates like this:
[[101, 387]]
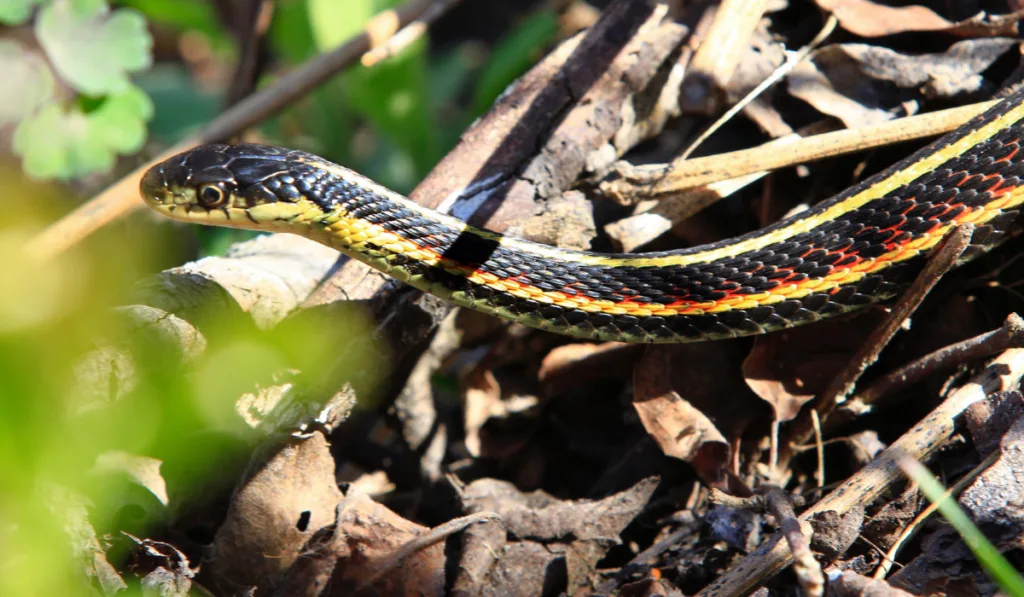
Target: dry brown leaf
[[986, 25], [285, 498], [542, 545], [679, 428], [481, 396], [693, 402], [789, 368], [484, 403], [573, 364], [353, 553], [870, 19], [862, 84]]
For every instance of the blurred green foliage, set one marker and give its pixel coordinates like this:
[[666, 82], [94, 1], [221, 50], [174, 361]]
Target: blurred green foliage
[[92, 51], [90, 93]]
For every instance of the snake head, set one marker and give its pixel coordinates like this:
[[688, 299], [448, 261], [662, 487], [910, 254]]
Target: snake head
[[242, 186]]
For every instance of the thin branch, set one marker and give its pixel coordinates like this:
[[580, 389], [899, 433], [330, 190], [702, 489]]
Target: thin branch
[[797, 533], [1010, 335]]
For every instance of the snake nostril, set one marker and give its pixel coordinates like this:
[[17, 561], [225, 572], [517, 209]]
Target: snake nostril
[[152, 186]]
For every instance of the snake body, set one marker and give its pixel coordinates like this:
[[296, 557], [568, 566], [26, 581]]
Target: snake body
[[859, 247]]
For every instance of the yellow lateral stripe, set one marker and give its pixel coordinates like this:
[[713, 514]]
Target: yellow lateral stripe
[[879, 189], [351, 231]]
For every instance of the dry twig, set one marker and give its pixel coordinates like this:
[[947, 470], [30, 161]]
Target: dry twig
[[1010, 335], [660, 180], [797, 533]]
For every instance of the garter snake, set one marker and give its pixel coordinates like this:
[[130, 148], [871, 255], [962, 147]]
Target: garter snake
[[859, 247]]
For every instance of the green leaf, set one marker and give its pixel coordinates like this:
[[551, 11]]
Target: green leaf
[[513, 55], [180, 106], [394, 96], [16, 12], [59, 143], [92, 48], [35, 82], [335, 22]]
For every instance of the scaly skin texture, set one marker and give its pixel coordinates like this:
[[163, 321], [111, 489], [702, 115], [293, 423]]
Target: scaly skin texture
[[859, 247]]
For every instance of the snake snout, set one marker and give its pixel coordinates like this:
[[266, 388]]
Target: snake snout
[[153, 186]]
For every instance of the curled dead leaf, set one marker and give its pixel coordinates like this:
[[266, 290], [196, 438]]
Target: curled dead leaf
[[356, 554], [789, 368], [863, 84], [872, 19], [569, 365], [285, 498], [486, 404], [693, 403], [542, 545]]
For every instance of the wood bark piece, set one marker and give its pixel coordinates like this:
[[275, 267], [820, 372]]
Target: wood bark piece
[[715, 61]]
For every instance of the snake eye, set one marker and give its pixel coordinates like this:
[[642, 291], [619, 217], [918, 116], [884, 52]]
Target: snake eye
[[212, 195]]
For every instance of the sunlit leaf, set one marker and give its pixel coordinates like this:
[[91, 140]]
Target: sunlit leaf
[[335, 22], [394, 96], [35, 82], [65, 143], [291, 32], [92, 48], [16, 12]]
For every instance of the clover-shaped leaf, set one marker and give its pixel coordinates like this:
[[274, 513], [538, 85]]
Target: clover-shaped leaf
[[34, 82], [59, 143], [16, 12], [91, 47]]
